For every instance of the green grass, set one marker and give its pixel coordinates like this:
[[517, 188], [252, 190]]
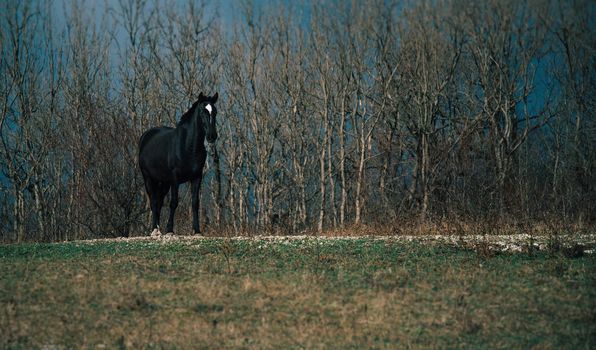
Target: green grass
[[302, 294]]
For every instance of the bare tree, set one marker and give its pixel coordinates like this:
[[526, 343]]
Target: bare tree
[[355, 113]]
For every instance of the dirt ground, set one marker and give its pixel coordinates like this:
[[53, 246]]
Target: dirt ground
[[501, 243]]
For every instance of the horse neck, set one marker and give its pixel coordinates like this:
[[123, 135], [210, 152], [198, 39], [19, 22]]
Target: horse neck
[[195, 135]]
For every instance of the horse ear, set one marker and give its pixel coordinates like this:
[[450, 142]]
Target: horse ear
[[214, 98], [201, 96]]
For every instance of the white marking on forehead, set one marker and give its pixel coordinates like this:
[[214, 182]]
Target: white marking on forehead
[[209, 108]]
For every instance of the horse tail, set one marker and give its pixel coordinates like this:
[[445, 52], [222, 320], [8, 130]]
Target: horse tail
[[143, 141], [145, 137]]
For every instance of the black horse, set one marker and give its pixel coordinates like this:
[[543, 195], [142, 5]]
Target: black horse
[[169, 157]]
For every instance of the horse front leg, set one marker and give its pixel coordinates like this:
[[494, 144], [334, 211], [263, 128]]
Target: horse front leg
[[173, 206], [196, 193]]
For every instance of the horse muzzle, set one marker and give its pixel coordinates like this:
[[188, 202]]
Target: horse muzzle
[[211, 137]]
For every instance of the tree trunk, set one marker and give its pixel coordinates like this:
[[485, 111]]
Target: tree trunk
[[342, 160], [424, 167], [322, 188], [364, 141], [39, 208], [331, 182], [218, 199]]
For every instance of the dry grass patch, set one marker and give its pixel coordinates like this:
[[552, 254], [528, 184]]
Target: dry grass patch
[[360, 293]]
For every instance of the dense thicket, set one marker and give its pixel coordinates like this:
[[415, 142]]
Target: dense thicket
[[330, 114]]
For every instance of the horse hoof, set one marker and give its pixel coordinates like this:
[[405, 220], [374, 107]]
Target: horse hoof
[[155, 233], [170, 234]]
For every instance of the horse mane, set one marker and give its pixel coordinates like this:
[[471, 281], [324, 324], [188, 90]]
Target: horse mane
[[188, 114]]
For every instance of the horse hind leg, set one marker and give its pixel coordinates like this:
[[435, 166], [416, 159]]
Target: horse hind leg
[[173, 206], [160, 193], [154, 189]]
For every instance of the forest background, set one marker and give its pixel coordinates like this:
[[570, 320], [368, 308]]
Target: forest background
[[380, 115]]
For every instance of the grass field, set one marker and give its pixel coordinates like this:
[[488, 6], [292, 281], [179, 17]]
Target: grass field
[[307, 293]]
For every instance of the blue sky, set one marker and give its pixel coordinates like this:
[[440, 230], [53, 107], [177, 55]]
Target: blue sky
[[229, 13]]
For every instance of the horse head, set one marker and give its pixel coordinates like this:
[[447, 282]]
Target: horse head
[[207, 112]]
